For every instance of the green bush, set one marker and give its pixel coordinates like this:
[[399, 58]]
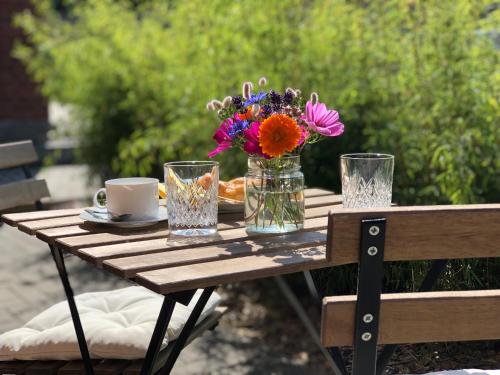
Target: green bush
[[417, 79], [413, 78]]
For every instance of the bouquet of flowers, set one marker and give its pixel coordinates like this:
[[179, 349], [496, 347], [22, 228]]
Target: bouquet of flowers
[[270, 124], [273, 128]]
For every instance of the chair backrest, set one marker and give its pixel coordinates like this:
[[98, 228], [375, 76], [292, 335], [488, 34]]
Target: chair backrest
[[17, 187], [370, 237]]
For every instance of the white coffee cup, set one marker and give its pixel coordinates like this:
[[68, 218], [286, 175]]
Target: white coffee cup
[[134, 196]]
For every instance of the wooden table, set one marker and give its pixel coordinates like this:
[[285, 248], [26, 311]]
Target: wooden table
[[177, 267]]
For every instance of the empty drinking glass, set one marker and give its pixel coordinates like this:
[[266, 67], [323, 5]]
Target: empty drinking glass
[[192, 188], [366, 180]]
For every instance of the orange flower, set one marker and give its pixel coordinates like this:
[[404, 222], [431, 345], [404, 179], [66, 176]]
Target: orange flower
[[279, 133], [247, 115]]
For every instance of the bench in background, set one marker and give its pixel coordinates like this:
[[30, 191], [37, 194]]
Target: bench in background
[[17, 185]]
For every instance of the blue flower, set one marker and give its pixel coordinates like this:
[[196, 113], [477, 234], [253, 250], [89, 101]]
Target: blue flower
[[255, 99], [237, 128]]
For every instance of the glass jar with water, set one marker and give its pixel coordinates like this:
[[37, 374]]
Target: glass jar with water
[[274, 195]]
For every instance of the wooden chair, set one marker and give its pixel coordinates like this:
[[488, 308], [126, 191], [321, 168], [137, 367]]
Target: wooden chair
[[18, 188], [439, 233], [17, 185], [107, 366]]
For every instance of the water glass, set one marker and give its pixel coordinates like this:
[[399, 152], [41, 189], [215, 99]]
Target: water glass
[[192, 188], [367, 180]]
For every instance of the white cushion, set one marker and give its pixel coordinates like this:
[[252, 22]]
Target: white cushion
[[466, 372], [117, 324]]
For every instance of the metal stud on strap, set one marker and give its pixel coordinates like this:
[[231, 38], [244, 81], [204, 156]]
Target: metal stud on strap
[[370, 274]]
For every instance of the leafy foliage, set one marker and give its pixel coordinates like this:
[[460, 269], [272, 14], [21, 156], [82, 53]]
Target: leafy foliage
[[418, 79]]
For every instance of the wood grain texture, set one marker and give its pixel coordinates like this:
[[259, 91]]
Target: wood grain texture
[[14, 367], [16, 218], [418, 317], [316, 192], [417, 233], [44, 368], [98, 254], [30, 227], [202, 275], [15, 154], [115, 236], [128, 267], [50, 235], [22, 193], [111, 367], [72, 368]]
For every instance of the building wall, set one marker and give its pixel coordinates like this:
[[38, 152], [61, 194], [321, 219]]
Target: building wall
[[23, 111]]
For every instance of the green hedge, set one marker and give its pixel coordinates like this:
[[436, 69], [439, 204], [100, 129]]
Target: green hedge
[[417, 79]]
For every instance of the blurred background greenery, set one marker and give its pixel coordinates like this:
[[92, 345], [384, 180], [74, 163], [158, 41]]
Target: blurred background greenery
[[418, 79]]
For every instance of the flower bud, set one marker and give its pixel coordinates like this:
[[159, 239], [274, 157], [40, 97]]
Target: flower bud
[[255, 110], [291, 91], [227, 101], [262, 81], [298, 92], [314, 98], [247, 89], [217, 104], [210, 106]]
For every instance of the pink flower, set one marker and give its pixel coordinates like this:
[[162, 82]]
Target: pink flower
[[251, 145], [323, 120], [222, 138], [305, 134]]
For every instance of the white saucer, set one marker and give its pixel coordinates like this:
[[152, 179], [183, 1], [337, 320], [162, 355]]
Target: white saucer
[[162, 216]]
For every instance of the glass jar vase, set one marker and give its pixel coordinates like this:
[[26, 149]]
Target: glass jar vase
[[274, 195]]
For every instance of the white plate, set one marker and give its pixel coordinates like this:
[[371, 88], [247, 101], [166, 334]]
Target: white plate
[[162, 216]]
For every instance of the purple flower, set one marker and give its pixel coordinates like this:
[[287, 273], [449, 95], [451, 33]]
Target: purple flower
[[255, 99], [323, 120], [222, 137], [237, 102], [288, 97], [237, 128], [266, 110], [275, 97]]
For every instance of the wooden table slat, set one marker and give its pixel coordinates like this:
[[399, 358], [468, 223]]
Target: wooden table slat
[[202, 275], [316, 192], [100, 253], [128, 267], [15, 218], [51, 234], [73, 243], [167, 265], [30, 227]]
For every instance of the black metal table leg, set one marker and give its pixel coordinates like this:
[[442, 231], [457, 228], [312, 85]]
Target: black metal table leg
[[154, 347], [82, 343], [285, 289], [186, 331]]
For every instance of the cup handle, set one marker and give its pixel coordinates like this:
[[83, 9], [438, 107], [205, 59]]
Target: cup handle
[[99, 197]]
